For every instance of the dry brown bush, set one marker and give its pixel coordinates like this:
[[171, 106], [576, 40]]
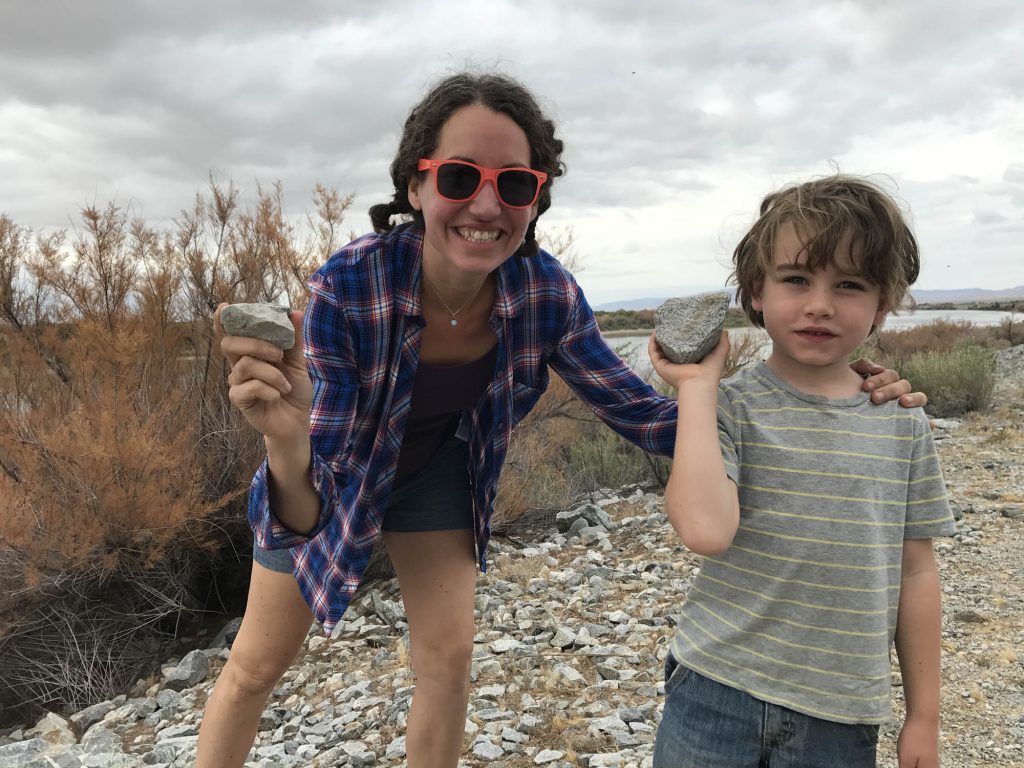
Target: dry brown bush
[[123, 468], [937, 336]]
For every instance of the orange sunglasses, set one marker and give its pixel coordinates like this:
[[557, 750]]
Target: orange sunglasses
[[458, 181]]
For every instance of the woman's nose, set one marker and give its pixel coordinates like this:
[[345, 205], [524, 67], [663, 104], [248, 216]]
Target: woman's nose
[[486, 204]]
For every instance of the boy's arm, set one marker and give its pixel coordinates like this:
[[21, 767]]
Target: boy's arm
[[701, 501], [918, 631]]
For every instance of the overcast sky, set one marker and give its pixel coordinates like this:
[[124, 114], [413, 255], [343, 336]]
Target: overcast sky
[[677, 116]]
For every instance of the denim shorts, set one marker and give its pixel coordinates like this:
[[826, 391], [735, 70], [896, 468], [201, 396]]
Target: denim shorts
[[435, 497], [709, 725]]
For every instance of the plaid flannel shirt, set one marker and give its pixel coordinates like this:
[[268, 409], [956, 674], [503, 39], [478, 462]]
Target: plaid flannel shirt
[[363, 328]]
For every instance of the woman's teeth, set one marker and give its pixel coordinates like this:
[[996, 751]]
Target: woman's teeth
[[476, 236]]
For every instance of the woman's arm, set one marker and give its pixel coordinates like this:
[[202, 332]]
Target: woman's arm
[[273, 391]]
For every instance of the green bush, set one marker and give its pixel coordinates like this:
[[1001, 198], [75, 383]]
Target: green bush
[[956, 382], [605, 460]]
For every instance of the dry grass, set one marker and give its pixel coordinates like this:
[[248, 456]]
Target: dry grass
[[123, 467]]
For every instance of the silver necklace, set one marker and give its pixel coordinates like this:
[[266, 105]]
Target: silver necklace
[[452, 313]]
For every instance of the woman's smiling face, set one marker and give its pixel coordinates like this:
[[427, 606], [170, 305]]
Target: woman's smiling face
[[478, 235]]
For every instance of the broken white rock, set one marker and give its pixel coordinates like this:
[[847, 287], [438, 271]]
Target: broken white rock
[[688, 328], [269, 322]]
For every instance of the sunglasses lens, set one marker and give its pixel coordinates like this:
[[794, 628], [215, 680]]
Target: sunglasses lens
[[517, 188], [457, 181]]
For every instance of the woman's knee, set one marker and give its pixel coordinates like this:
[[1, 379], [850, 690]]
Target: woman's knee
[[252, 671], [446, 656], [273, 629]]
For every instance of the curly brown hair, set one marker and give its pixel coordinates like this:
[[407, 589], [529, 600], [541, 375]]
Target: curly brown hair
[[422, 131], [828, 214]]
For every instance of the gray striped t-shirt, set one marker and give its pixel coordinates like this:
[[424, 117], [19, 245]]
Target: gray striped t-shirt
[[801, 609]]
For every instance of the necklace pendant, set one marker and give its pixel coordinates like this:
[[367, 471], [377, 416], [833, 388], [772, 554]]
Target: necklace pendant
[[454, 322]]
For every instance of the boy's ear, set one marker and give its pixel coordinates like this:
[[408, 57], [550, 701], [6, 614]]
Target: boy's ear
[[883, 310], [755, 297]]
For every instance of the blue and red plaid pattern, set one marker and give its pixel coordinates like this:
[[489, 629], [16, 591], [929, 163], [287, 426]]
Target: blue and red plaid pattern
[[362, 334]]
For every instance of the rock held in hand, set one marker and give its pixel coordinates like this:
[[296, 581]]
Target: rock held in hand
[[688, 328], [269, 322]]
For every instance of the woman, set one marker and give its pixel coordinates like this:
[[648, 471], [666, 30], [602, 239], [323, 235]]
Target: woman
[[425, 343]]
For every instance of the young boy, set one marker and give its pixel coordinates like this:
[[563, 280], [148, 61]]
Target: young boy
[[813, 508]]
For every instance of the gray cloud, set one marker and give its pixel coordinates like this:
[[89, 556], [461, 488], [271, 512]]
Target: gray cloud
[[665, 108]]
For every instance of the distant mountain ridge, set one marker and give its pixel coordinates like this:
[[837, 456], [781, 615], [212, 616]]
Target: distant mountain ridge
[[957, 295]]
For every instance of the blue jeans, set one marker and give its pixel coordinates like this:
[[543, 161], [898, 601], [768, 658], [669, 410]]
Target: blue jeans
[[709, 725]]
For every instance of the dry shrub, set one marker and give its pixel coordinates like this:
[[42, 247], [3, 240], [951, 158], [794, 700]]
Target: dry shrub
[[534, 485], [951, 361], [937, 336], [957, 382], [744, 349], [559, 452], [123, 467]]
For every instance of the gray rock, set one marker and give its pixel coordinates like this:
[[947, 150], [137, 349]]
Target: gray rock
[[396, 748], [54, 729], [592, 514], [269, 322], [485, 750], [546, 756], [89, 716], [69, 758], [191, 670], [971, 616], [688, 328], [227, 634], [21, 749], [1012, 511], [388, 610], [167, 699]]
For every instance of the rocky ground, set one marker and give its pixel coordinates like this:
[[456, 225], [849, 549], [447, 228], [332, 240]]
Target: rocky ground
[[572, 633]]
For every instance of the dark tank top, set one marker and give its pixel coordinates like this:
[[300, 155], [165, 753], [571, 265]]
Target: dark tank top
[[439, 396]]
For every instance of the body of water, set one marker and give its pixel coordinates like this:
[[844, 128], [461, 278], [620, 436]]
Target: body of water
[[633, 349]]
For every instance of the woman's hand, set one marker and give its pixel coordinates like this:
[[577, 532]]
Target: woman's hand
[[269, 386], [707, 371], [885, 384]]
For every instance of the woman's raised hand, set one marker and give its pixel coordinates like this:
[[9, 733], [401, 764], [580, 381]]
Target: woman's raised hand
[[270, 386]]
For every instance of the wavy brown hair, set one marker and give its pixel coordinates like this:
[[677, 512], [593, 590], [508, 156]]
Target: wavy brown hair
[[829, 214], [422, 131]]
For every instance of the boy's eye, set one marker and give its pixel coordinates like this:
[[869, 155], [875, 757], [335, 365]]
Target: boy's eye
[[851, 285], [794, 279]]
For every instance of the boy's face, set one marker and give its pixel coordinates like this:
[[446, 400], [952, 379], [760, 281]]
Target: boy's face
[[815, 319]]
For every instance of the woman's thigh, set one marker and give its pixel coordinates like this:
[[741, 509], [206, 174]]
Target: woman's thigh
[[437, 575], [275, 623]]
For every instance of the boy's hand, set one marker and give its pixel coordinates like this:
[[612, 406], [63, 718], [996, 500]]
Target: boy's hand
[[918, 745], [708, 370]]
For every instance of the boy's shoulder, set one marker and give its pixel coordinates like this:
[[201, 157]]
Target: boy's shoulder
[[747, 381]]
